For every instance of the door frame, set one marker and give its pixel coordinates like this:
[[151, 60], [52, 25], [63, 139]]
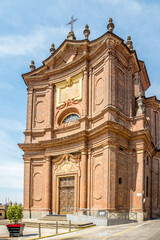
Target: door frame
[[58, 190]]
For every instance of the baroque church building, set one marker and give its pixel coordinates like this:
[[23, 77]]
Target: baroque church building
[[92, 137]]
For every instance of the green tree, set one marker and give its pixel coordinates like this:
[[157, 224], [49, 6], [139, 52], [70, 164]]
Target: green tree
[[15, 213]]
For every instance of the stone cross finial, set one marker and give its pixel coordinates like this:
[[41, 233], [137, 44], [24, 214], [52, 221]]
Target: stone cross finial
[[129, 43], [52, 49], [71, 35], [110, 25], [71, 22], [86, 31], [32, 66]]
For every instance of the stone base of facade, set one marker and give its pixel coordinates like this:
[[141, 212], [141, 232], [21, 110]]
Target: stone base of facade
[[112, 219], [156, 214], [142, 216], [34, 214]]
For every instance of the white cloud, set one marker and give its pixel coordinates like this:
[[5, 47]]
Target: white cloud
[[11, 125], [28, 44], [11, 174], [130, 5]]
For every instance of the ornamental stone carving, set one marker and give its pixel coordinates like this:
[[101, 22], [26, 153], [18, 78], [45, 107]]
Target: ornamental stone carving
[[67, 163]]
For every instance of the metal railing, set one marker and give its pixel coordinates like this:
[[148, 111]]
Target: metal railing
[[103, 213]]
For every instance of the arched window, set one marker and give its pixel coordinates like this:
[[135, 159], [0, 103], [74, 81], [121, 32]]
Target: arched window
[[71, 118]]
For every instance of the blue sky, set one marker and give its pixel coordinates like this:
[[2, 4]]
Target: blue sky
[[27, 29]]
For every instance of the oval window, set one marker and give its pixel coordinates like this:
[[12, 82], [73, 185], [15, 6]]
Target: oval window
[[71, 118], [120, 180]]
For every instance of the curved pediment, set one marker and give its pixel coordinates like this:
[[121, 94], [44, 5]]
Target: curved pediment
[[72, 53]]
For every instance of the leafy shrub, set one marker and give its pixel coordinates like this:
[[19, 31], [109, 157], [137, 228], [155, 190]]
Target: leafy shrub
[[15, 213]]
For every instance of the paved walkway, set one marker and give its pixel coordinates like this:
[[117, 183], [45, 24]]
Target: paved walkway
[[30, 233], [148, 230]]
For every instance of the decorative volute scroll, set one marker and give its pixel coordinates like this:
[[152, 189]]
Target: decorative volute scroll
[[67, 163]]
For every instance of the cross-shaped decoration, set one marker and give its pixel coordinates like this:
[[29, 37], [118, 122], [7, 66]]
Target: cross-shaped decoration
[[71, 22]]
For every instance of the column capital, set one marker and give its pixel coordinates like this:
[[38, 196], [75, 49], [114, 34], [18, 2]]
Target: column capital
[[30, 90], [89, 151], [85, 70], [48, 158], [50, 85], [111, 52], [84, 152]]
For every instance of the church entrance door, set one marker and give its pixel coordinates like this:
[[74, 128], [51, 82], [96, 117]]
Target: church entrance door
[[66, 195]]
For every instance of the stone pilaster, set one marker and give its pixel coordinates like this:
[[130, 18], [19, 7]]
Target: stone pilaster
[[110, 82], [83, 181], [47, 184], [130, 93], [50, 105], [137, 203], [112, 178], [27, 184], [54, 190], [90, 93], [89, 180], [29, 115], [85, 93], [106, 162]]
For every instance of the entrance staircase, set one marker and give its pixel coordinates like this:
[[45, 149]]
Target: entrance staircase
[[49, 221]]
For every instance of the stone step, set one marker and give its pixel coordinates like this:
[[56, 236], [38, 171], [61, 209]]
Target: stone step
[[54, 218], [34, 223], [4, 222], [53, 225]]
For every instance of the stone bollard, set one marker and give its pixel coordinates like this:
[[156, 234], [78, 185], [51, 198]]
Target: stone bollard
[[69, 225], [39, 227], [56, 227]]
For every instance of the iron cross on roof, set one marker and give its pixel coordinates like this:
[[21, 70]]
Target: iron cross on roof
[[71, 22]]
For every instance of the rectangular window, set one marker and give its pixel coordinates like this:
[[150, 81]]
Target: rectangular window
[[0, 214]]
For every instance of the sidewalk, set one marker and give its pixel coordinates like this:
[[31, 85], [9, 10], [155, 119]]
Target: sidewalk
[[30, 233]]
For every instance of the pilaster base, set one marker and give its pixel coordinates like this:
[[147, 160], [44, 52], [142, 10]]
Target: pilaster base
[[141, 216], [35, 214]]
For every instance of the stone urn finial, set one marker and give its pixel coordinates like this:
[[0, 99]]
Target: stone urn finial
[[32, 66], [110, 25], [52, 49], [141, 107], [86, 31], [71, 36], [129, 43]]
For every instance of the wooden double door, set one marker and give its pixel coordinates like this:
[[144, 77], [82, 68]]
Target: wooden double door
[[66, 195]]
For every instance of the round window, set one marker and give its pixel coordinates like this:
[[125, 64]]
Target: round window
[[71, 118]]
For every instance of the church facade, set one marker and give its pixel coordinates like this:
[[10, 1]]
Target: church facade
[[92, 137]]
